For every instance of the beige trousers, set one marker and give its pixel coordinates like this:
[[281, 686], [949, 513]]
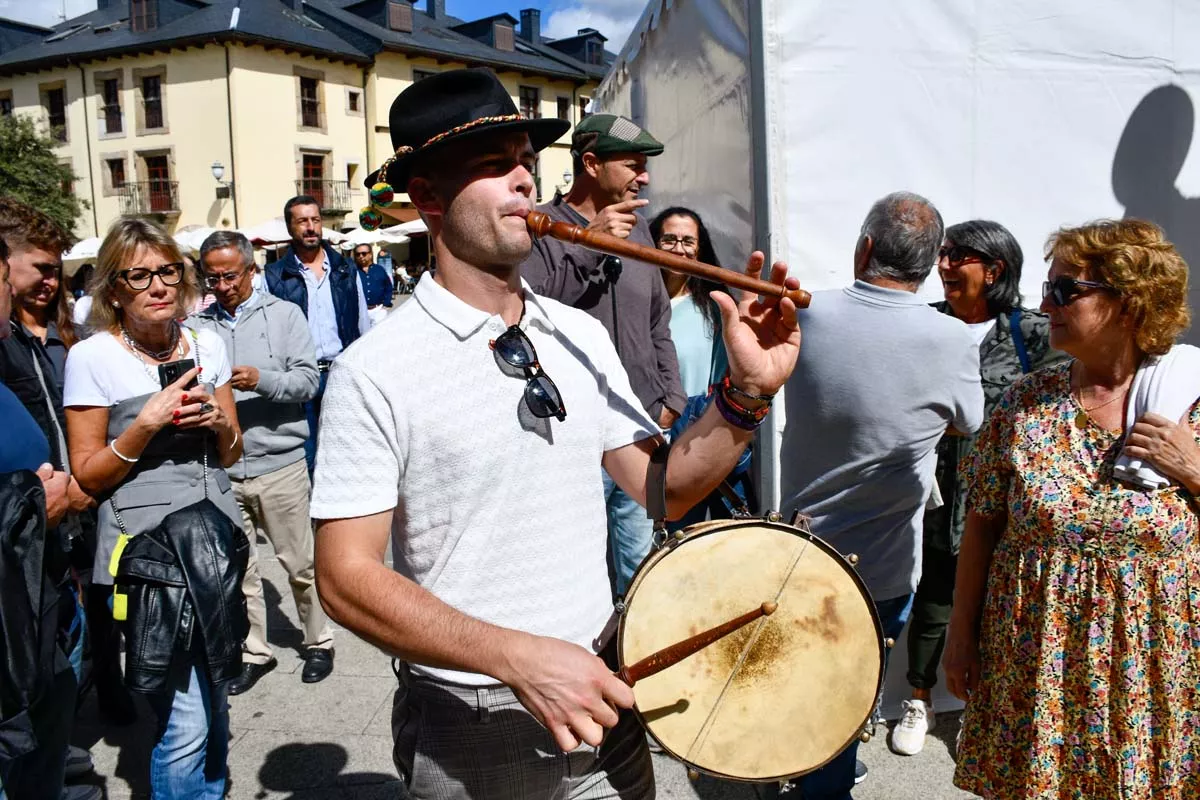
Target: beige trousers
[[277, 505]]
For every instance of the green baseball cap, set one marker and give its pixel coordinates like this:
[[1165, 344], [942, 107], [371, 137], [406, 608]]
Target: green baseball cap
[[603, 134]]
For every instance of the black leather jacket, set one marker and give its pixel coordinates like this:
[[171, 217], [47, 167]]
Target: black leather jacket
[[183, 579]]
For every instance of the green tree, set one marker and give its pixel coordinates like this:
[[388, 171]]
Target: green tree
[[30, 172]]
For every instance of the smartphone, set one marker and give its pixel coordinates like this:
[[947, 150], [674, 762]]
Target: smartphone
[[173, 370]]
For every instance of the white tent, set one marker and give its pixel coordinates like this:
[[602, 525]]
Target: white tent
[[193, 236], [384, 236], [84, 250]]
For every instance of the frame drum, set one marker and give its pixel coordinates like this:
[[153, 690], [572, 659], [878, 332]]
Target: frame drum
[[777, 698]]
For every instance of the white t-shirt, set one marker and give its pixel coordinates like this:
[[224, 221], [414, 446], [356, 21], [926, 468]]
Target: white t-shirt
[[101, 372], [498, 514], [980, 330]]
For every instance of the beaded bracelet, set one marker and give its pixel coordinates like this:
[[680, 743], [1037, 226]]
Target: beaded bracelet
[[728, 386]]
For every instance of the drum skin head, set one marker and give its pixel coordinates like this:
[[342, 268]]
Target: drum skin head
[[778, 698]]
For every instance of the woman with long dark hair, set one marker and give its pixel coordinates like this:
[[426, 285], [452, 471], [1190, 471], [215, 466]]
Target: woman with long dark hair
[[696, 331]]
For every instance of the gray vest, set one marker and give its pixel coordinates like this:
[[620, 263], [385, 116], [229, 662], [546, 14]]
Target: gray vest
[[168, 476]]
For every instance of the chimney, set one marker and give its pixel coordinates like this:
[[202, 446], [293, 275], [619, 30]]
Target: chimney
[[531, 25], [434, 8], [399, 16], [102, 5]]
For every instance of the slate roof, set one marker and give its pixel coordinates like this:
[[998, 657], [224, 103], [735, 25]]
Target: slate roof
[[328, 28]]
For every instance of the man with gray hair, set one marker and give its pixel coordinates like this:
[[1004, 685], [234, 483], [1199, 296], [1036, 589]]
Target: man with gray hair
[[881, 377], [274, 374]]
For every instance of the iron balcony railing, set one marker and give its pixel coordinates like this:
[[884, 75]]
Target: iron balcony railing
[[332, 196], [149, 197]]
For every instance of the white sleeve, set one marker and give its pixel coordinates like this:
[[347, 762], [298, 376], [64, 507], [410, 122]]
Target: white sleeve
[[359, 448], [625, 420], [83, 382], [364, 319], [214, 359]]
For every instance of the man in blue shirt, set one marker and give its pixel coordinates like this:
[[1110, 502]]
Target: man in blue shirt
[[377, 285], [317, 278]]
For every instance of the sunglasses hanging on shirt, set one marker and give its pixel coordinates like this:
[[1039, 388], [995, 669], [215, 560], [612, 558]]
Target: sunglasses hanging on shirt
[[541, 395]]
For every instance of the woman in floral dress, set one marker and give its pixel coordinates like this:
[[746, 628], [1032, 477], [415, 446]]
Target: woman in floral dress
[[1075, 635]]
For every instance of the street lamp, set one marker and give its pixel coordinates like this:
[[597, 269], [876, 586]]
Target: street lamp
[[224, 189], [567, 177]]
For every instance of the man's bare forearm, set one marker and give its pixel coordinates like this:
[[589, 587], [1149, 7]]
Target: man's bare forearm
[[701, 458], [362, 593]]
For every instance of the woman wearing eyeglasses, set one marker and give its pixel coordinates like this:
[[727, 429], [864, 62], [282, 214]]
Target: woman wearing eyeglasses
[[980, 268], [1075, 628], [696, 332], [141, 449]]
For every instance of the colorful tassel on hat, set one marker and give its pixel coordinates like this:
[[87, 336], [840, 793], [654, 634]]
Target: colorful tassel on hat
[[382, 195], [369, 219]]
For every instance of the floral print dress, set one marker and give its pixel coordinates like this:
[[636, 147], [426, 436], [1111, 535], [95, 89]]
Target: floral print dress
[[1090, 634]]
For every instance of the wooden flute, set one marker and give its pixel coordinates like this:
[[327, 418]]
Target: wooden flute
[[541, 225]]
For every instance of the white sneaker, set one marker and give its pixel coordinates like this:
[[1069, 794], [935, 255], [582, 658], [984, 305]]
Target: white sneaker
[[918, 719]]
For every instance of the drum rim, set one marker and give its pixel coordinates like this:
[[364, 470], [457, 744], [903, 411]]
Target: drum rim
[[670, 544]]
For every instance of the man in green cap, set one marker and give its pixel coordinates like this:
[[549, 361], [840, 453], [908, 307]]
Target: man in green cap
[[626, 296]]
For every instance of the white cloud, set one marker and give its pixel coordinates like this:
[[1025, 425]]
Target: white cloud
[[613, 18], [44, 12]]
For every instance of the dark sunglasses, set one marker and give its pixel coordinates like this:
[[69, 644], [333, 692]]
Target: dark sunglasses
[[959, 254], [140, 278], [541, 395], [1063, 290]]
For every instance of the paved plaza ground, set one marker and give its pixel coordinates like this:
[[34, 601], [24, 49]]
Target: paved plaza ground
[[332, 739]]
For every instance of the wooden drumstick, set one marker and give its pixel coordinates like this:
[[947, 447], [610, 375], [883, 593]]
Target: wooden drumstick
[[541, 225], [669, 656]]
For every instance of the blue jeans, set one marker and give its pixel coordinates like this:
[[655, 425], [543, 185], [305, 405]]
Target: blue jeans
[[835, 780], [192, 741], [630, 534], [312, 410]]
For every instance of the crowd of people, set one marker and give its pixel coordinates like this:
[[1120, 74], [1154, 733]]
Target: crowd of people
[[1018, 485]]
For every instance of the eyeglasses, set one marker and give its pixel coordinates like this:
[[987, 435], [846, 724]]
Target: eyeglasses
[[140, 278], [959, 254], [213, 281], [669, 240], [1063, 290], [541, 395]]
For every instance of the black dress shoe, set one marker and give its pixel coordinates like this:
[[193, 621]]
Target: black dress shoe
[[318, 663], [251, 673]]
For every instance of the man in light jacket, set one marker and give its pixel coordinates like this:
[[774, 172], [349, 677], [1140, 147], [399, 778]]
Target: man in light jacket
[[274, 375]]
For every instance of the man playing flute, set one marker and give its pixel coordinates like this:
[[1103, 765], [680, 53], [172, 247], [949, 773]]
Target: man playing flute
[[476, 450]]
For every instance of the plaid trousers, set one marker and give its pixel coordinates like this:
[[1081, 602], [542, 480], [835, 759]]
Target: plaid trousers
[[467, 743]]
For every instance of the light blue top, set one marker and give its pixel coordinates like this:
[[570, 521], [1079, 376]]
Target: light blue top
[[322, 318], [693, 345], [232, 319], [880, 378]]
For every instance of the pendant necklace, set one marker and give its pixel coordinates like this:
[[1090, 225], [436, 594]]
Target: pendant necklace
[[138, 349], [1081, 416]]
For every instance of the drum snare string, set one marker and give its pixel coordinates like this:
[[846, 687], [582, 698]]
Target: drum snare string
[[706, 726]]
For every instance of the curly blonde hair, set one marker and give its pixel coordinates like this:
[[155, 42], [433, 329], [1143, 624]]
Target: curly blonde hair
[[117, 251], [1135, 258]]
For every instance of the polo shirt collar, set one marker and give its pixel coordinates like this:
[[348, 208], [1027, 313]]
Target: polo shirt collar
[[465, 320], [879, 294]]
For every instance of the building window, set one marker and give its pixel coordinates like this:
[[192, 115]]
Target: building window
[[110, 96], [68, 183], [530, 102], [595, 52], [313, 177], [116, 172], [143, 15], [158, 174], [56, 112], [310, 103], [583, 105], [6, 105], [422, 74], [152, 101], [564, 108], [353, 101], [502, 36]]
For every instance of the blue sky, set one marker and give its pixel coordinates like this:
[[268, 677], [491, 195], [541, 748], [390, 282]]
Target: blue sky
[[613, 18]]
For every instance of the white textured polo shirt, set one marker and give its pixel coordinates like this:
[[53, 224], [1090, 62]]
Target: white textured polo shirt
[[497, 513]]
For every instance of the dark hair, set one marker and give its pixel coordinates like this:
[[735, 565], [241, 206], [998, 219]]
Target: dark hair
[[995, 243], [23, 227], [219, 240], [298, 200], [696, 286], [3, 249]]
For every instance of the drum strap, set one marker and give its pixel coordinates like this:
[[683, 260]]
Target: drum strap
[[656, 485]]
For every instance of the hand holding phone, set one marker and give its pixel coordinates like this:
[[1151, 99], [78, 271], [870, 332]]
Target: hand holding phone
[[174, 370]]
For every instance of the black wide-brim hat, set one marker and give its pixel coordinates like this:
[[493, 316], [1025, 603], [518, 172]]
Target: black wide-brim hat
[[453, 107]]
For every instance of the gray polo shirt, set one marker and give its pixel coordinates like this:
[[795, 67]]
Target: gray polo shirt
[[574, 275], [880, 377]]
